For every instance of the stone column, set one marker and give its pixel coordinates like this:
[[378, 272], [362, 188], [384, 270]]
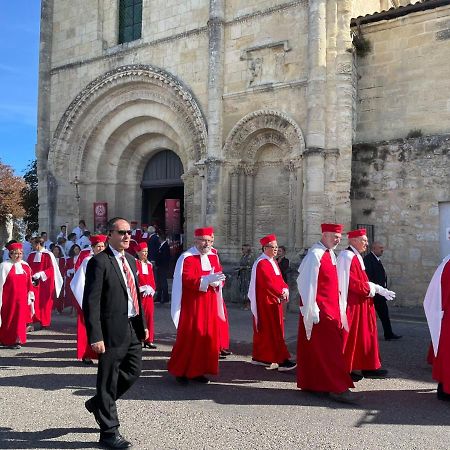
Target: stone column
[[234, 192], [346, 95], [317, 63], [313, 196], [215, 112], [249, 204], [299, 241], [201, 189], [295, 204], [331, 162], [47, 201], [241, 209]]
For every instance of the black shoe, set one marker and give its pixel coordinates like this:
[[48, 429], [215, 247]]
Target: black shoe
[[392, 337], [222, 356], [89, 405], [356, 376], [375, 374], [441, 395], [116, 441], [286, 365], [88, 361], [201, 379], [150, 345], [224, 352], [182, 380]]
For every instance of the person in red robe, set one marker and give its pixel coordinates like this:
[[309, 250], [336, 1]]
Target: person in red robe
[[197, 307], [84, 350], [147, 287], [267, 293], [71, 260], [16, 294], [361, 342], [437, 311], [320, 342], [47, 280]]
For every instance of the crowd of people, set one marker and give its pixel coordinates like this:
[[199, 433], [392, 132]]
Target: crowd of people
[[110, 281]]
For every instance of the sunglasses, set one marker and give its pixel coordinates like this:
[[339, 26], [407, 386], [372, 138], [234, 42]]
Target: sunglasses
[[123, 232]]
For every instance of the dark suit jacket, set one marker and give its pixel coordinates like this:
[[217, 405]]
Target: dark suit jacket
[[153, 246], [375, 270], [163, 256], [105, 301]]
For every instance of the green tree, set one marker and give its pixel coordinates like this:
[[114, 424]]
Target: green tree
[[11, 187], [30, 201]]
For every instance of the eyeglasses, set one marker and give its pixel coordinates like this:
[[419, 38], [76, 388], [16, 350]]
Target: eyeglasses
[[123, 232]]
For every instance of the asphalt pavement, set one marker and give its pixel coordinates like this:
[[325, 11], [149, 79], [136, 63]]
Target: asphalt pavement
[[43, 390]]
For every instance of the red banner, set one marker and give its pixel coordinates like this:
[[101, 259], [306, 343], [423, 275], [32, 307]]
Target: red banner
[[173, 216], [100, 215]]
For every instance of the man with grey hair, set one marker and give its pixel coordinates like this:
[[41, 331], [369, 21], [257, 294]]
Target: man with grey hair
[[376, 274]]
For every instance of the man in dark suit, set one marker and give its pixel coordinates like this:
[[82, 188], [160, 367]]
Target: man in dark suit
[[115, 327], [162, 269], [376, 274]]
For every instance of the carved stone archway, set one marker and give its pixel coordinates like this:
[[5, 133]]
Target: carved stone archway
[[109, 132], [263, 141]]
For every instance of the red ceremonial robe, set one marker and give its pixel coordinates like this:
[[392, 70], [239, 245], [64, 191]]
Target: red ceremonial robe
[[44, 292], [147, 300], [15, 311], [70, 267], [321, 364], [361, 342], [268, 335], [224, 330], [441, 363], [196, 349]]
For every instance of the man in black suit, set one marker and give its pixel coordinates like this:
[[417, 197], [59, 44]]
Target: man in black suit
[[376, 273], [115, 327]]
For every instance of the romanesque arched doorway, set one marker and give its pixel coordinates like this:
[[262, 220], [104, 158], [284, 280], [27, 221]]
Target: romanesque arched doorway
[[163, 193]]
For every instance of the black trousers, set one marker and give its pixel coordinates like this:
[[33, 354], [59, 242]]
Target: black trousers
[[162, 287], [118, 369], [383, 313]]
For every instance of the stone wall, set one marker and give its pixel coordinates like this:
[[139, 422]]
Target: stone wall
[[396, 186], [403, 82]]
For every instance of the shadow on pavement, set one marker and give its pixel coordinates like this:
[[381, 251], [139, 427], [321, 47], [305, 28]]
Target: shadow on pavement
[[42, 439]]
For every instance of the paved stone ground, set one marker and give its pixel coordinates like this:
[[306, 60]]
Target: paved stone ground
[[43, 389]]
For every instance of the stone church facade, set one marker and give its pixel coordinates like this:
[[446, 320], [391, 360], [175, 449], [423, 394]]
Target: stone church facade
[[277, 119]]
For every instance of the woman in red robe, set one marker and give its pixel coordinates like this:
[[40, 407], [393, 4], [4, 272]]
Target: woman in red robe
[[16, 292], [71, 260], [59, 302], [267, 293], [147, 288]]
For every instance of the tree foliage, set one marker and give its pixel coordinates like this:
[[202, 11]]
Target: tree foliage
[[30, 197], [11, 187]]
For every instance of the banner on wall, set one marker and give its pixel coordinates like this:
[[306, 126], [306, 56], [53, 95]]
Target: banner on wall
[[173, 216], [100, 215]]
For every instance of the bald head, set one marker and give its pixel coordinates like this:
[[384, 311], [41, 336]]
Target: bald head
[[377, 248]]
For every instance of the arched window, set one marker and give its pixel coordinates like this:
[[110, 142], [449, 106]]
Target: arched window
[[130, 20]]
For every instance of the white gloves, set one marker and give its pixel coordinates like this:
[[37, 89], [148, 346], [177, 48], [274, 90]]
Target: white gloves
[[386, 293], [146, 290], [214, 279], [38, 275], [70, 272]]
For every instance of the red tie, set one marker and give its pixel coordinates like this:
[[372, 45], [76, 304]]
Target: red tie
[[131, 285]]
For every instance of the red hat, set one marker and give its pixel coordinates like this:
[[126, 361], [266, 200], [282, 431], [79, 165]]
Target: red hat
[[15, 246], [144, 225], [357, 233], [133, 221], [97, 238], [141, 246], [333, 227], [206, 231], [266, 239]]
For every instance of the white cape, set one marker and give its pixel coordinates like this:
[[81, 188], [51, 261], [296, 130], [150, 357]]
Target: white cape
[[177, 285], [57, 274], [432, 305], [79, 280], [252, 287]]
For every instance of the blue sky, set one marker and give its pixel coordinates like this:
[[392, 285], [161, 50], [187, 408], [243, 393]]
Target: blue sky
[[19, 50]]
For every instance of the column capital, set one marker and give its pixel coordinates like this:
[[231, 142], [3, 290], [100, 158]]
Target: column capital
[[332, 152], [314, 151]]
